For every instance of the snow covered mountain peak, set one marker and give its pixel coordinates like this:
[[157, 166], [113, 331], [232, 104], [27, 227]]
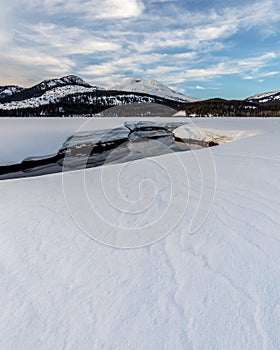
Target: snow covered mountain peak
[[67, 80], [266, 97], [152, 87], [62, 86], [74, 80]]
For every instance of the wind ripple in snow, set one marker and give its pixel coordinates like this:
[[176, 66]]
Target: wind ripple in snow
[[217, 289]]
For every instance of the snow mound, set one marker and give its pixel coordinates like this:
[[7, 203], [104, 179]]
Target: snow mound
[[216, 289], [152, 87], [187, 132]]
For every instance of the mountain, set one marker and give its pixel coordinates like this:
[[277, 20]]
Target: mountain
[[72, 95], [51, 96], [267, 97], [220, 107], [152, 87], [47, 85], [9, 90], [88, 102]]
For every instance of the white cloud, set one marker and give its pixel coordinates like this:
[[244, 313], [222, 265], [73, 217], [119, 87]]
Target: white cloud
[[109, 40], [211, 32], [29, 66], [232, 67], [120, 8], [70, 40], [107, 9]]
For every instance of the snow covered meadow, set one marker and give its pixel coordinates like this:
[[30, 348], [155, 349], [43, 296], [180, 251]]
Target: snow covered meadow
[[211, 278]]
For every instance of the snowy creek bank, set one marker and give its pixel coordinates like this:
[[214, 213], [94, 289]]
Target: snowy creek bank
[[130, 141], [185, 136]]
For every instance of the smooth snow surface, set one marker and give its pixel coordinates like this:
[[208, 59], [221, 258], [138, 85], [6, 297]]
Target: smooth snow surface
[[152, 87], [216, 289], [21, 138]]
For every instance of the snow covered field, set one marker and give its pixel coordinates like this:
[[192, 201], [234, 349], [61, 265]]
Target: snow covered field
[[218, 288], [25, 137]]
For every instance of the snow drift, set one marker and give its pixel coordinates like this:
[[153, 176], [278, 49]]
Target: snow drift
[[216, 289]]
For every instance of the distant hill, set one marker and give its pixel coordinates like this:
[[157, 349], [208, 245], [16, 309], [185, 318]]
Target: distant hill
[[266, 97], [230, 108], [38, 90]]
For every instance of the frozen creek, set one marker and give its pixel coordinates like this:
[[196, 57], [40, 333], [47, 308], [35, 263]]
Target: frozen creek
[[130, 141]]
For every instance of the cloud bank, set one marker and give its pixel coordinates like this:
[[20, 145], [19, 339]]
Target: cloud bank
[[185, 44]]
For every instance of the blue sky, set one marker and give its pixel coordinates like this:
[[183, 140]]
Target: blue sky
[[204, 49]]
